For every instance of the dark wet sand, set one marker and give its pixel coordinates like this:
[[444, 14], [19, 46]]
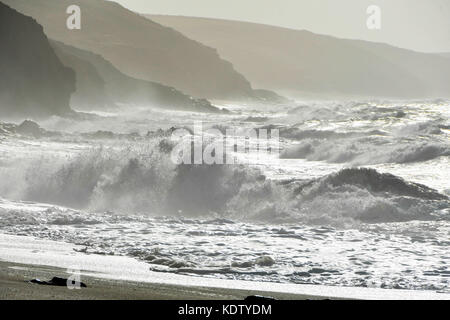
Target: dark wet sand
[[14, 285]]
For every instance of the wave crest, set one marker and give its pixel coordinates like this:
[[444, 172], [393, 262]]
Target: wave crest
[[145, 181]]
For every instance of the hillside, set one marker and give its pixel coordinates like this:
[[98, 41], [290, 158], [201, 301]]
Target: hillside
[[141, 48], [100, 84], [303, 63], [33, 82]]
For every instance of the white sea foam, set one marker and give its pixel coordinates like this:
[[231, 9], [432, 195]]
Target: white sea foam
[[323, 219]]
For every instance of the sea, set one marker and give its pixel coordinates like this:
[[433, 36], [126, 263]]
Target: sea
[[356, 194]]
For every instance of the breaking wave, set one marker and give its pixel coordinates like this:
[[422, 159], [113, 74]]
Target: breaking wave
[[367, 133], [143, 180], [359, 152]]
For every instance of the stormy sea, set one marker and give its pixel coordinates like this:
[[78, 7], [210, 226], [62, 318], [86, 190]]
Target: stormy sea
[[357, 194]]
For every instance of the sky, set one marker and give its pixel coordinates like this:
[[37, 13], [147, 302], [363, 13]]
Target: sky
[[421, 25]]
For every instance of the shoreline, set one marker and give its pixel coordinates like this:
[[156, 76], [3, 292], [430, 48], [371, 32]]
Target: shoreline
[[23, 258], [14, 285]]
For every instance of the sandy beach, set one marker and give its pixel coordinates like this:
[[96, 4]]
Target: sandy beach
[[14, 285]]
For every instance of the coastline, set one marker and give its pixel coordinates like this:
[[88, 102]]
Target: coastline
[[107, 278], [14, 285], [23, 258]]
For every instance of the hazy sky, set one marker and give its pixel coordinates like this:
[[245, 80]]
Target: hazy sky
[[422, 25]]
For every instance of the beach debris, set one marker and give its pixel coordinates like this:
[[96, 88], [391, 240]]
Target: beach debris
[[257, 298], [55, 281]]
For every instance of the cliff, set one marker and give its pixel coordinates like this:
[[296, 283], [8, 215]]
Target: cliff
[[302, 63], [33, 82], [100, 84], [141, 48]]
